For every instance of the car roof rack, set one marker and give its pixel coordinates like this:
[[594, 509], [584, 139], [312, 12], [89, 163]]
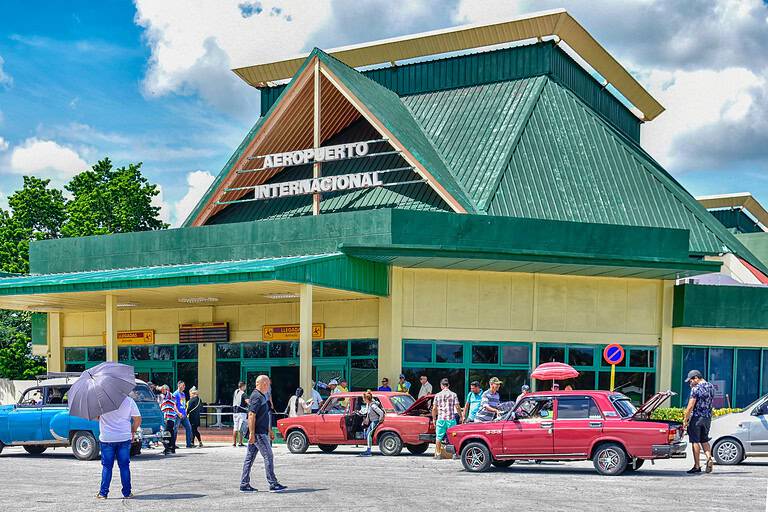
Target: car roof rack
[[57, 375]]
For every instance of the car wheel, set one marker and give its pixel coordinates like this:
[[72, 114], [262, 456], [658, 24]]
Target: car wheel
[[35, 449], [297, 442], [638, 464], [610, 459], [1, 447], [135, 449], [390, 444], [84, 446], [327, 448], [417, 449], [728, 452], [502, 463], [475, 457]]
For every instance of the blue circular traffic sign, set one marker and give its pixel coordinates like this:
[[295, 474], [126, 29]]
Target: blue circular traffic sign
[[613, 354]]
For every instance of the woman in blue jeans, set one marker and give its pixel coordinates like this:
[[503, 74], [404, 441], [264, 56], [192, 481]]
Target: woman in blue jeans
[[116, 430], [373, 416]]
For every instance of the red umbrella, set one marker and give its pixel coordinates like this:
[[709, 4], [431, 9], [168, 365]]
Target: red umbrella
[[554, 371]]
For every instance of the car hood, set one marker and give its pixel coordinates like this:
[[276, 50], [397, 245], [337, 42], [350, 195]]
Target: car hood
[[653, 403], [418, 403]]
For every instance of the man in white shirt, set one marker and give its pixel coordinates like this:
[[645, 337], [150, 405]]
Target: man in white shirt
[[317, 400], [426, 387], [116, 430], [239, 414]]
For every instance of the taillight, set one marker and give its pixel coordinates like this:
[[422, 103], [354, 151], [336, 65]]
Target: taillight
[[672, 434]]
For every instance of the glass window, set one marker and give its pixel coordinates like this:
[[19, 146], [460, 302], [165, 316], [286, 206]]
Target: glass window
[[585, 380], [417, 353], [364, 363], [281, 349], [74, 367], [140, 353], [97, 354], [401, 402], [365, 348], [186, 351], [550, 354], [142, 393], [693, 359], [747, 377], [456, 379], [641, 358], [188, 373], [255, 350], [316, 348], [335, 348], [581, 356], [721, 375], [512, 380], [637, 386], [515, 354], [123, 353], [335, 405], [227, 377], [449, 353], [162, 352], [227, 351], [74, 354], [363, 377], [485, 354], [623, 406], [576, 409]]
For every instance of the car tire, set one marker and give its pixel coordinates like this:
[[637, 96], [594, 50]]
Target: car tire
[[297, 442], [1, 447], [476, 458], [135, 449], [638, 464], [85, 446], [327, 448], [417, 449], [610, 459], [728, 452], [35, 449], [502, 463], [390, 444]]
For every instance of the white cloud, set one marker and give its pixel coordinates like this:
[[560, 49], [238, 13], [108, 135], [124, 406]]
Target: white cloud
[[5, 78], [197, 183], [193, 48], [46, 158], [165, 208], [3, 144]]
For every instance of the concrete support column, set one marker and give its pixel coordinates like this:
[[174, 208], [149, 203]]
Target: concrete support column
[[111, 327], [305, 339], [664, 366], [55, 344], [206, 363], [391, 329]]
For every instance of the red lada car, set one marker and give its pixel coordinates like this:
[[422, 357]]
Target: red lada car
[[571, 425], [407, 422]]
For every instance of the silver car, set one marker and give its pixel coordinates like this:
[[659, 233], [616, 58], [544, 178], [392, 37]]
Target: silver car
[[739, 435]]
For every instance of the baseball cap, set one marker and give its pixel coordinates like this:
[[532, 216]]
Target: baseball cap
[[333, 383], [693, 374], [495, 380], [402, 376]]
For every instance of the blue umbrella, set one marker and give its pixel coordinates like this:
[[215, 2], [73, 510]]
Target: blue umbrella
[[101, 389]]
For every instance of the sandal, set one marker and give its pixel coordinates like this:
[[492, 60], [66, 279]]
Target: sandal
[[710, 465]]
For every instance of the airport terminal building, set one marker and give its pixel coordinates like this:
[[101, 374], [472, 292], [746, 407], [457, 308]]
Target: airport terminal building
[[424, 205]]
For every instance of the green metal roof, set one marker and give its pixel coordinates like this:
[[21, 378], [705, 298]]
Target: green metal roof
[[333, 270]]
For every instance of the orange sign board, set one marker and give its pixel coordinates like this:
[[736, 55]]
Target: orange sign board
[[289, 332], [136, 337]]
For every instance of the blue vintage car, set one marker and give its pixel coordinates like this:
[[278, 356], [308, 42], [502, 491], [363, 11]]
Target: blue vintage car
[[41, 420]]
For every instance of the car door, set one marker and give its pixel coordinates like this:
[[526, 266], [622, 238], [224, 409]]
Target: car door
[[55, 403], [531, 431], [758, 429], [24, 421], [578, 424], [330, 426]]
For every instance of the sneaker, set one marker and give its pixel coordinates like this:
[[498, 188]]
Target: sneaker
[[100, 497], [234, 445], [364, 454], [128, 497], [277, 488], [248, 488], [241, 444], [693, 471]]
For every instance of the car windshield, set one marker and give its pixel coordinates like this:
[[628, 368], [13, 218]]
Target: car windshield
[[624, 406], [755, 403], [142, 393], [401, 402]]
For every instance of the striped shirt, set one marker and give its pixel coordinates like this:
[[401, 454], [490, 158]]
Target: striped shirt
[[491, 400], [446, 402], [168, 407]]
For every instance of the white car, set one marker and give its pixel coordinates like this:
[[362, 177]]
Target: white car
[[739, 435]]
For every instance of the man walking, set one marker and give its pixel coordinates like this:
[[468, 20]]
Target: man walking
[[698, 417], [239, 414], [489, 403], [426, 387], [116, 430], [444, 406], [170, 415], [181, 406], [258, 439], [472, 404]]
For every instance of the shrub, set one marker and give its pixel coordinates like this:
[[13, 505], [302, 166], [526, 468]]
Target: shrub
[[676, 413]]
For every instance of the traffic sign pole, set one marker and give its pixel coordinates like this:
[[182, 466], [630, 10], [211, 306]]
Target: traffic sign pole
[[613, 376], [613, 355]]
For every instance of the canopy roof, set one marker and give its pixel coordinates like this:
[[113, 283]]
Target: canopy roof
[[536, 25]]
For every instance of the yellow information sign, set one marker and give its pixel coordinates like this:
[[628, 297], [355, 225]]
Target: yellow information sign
[[136, 337], [289, 332]]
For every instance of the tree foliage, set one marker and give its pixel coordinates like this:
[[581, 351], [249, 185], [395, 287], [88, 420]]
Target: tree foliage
[[103, 200]]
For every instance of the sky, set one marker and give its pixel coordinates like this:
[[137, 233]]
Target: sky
[[149, 81]]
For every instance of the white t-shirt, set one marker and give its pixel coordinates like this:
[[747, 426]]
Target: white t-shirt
[[115, 426]]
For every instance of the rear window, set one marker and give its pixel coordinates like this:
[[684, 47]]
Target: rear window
[[142, 393], [624, 407], [401, 402]]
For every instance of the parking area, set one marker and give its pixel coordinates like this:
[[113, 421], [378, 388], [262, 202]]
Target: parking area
[[207, 479]]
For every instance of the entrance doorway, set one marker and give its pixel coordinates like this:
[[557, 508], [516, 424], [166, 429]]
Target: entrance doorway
[[285, 380]]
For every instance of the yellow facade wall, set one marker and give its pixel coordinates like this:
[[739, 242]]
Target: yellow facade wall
[[720, 337]]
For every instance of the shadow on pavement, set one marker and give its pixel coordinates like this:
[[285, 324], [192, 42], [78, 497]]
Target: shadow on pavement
[[563, 468], [165, 497], [301, 490]]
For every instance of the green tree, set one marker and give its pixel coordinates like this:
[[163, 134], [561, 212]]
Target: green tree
[[16, 359], [107, 200]]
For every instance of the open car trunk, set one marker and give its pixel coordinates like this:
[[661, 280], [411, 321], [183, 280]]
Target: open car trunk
[[644, 411]]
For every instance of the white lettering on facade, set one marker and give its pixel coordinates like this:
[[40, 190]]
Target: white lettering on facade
[[322, 154], [316, 185]]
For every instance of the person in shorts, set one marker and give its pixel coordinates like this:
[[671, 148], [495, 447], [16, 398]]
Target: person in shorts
[[698, 417], [445, 405], [239, 414]]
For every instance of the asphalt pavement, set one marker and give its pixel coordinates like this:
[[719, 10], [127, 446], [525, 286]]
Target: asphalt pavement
[[207, 479]]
